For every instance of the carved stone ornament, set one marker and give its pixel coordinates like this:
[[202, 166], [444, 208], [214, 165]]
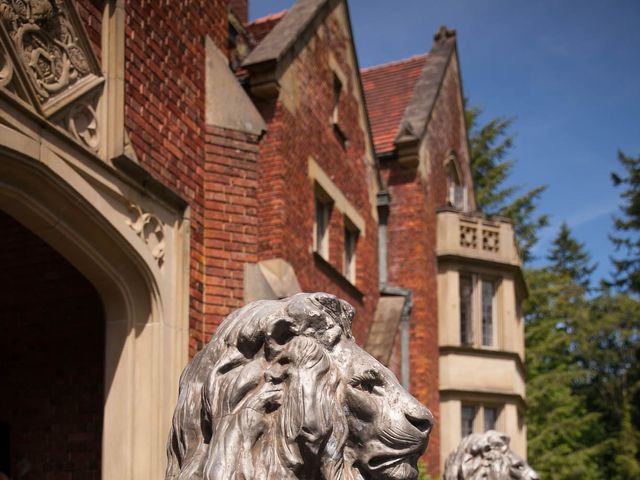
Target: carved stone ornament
[[82, 123], [482, 456], [50, 43], [6, 70], [150, 229], [282, 391]]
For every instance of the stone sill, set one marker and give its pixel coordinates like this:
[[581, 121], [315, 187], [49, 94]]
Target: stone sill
[[337, 275]]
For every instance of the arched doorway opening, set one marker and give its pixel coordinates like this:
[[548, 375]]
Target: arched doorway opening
[[51, 361], [129, 247]]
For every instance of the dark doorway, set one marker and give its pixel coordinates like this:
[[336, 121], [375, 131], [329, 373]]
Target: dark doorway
[[51, 362]]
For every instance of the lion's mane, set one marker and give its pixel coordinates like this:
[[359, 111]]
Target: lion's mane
[[260, 400], [486, 456]]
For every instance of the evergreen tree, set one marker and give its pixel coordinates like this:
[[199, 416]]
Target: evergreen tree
[[490, 144], [560, 429], [627, 226], [625, 463], [568, 257], [608, 349]]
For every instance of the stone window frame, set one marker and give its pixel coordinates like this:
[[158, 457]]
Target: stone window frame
[[477, 327], [452, 166], [338, 88], [327, 191], [479, 415], [323, 205]]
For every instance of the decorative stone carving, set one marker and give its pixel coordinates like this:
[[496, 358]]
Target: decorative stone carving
[[468, 236], [482, 456], [490, 240], [6, 70], [283, 391], [81, 120], [150, 229], [50, 44]]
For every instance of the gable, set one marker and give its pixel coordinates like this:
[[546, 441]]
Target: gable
[[388, 89]]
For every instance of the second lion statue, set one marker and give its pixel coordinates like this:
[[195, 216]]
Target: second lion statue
[[282, 391]]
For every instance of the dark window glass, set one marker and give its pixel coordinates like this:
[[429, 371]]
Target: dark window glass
[[466, 295], [468, 415], [350, 241], [322, 226], [490, 418], [488, 291]]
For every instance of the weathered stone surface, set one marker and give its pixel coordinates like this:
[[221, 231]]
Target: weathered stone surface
[[486, 456], [282, 391]]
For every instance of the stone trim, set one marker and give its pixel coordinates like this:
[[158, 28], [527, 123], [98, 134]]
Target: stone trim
[[316, 174], [139, 267]]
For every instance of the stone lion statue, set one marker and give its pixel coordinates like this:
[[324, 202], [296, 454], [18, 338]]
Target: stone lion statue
[[486, 456], [283, 392]]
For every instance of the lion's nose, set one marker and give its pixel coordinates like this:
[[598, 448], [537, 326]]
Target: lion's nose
[[420, 418]]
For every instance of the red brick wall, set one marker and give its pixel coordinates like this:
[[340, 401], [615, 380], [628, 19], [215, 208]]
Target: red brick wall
[[230, 220], [412, 244], [164, 110], [285, 196], [240, 8], [90, 12], [51, 359], [164, 105]]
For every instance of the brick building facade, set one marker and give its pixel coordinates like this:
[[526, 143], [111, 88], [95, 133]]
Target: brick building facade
[[162, 165]]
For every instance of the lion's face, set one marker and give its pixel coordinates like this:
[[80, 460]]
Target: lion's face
[[282, 391], [388, 428], [486, 456]]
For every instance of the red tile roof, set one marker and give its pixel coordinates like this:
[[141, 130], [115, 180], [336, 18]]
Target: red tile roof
[[260, 27], [388, 90]]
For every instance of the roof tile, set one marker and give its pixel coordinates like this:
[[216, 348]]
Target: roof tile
[[388, 90]]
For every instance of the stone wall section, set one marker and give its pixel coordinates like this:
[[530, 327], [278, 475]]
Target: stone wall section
[[299, 128], [164, 110], [230, 220], [416, 194]]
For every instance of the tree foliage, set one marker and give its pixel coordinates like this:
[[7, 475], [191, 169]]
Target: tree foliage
[[627, 226], [490, 145], [582, 345], [560, 428], [568, 257]]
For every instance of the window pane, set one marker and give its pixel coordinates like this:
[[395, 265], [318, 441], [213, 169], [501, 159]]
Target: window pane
[[350, 240], [458, 197], [322, 224], [490, 417], [468, 415], [487, 312], [466, 291]]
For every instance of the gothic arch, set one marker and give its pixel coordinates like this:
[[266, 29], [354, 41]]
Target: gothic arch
[[456, 184], [133, 248]]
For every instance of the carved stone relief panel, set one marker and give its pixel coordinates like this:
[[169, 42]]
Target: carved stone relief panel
[[491, 240], [6, 70], [52, 49], [9, 79], [81, 121], [150, 229], [468, 236]]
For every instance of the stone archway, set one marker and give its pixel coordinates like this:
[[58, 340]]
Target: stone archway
[[51, 361], [133, 249]]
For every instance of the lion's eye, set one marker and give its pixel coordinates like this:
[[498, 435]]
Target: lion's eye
[[369, 382]]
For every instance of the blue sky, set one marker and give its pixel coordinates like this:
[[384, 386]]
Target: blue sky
[[568, 72]]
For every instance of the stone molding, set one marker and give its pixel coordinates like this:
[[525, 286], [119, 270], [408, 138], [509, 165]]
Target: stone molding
[[134, 248], [46, 62]]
